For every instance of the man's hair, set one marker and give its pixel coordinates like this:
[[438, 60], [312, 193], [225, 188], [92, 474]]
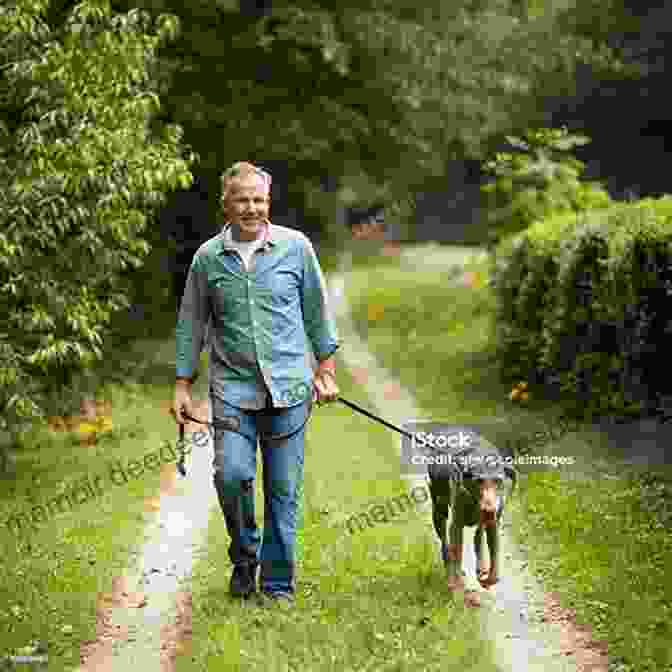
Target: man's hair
[[241, 170]]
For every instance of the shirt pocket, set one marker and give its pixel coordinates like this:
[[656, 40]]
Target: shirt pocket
[[283, 288], [279, 298]]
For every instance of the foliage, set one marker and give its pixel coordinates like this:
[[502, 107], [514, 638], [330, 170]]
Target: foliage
[[81, 168], [537, 181], [583, 304], [394, 90]]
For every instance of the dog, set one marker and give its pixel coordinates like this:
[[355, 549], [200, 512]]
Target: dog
[[475, 496]]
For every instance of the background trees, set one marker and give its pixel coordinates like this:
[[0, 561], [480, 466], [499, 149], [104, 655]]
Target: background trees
[[361, 103], [380, 95]]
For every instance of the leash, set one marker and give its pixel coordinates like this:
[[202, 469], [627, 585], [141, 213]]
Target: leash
[[226, 424], [181, 465], [373, 417], [233, 427]]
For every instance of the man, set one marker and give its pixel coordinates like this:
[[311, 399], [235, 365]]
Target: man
[[263, 288]]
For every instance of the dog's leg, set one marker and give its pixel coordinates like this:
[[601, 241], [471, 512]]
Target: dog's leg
[[488, 502], [454, 555], [440, 519], [445, 502], [440, 509], [441, 492], [492, 537], [489, 520], [439, 516], [478, 551]]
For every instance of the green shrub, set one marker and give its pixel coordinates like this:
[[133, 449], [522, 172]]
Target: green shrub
[[581, 302]]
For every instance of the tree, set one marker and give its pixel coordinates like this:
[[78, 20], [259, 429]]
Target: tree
[[379, 93], [539, 179], [81, 169]]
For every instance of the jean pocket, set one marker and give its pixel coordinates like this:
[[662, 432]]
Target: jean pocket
[[289, 423]]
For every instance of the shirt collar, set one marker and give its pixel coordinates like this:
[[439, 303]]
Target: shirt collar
[[270, 236]]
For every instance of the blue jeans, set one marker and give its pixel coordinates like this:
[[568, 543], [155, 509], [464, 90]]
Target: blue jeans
[[235, 468]]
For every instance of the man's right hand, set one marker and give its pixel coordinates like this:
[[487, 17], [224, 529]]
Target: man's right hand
[[183, 402]]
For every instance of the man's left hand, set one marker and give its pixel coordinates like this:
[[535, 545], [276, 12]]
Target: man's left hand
[[324, 385]]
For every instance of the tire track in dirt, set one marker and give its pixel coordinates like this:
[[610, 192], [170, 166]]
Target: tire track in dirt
[[145, 619]]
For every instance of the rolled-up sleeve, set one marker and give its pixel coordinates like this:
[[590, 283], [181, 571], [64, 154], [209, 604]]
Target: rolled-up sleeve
[[192, 321], [318, 317]]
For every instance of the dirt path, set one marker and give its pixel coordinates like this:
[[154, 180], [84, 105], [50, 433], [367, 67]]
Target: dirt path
[[528, 628], [144, 622]]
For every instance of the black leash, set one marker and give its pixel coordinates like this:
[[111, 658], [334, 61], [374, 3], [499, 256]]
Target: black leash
[[226, 424], [233, 425], [181, 466], [374, 417]]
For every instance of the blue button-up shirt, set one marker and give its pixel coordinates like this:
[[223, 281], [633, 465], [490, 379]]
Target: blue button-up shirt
[[269, 323]]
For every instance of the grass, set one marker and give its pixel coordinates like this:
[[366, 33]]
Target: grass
[[601, 532], [373, 599], [608, 558], [52, 575]]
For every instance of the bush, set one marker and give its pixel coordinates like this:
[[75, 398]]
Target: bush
[[582, 302]]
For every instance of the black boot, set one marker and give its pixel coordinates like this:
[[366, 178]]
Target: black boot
[[243, 580]]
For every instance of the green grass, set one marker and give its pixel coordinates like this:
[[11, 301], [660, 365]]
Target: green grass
[[601, 540], [52, 575], [375, 599], [608, 558]]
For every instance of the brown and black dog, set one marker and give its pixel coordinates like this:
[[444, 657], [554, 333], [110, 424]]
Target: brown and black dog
[[475, 501]]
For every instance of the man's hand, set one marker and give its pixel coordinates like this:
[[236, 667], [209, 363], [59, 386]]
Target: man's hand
[[183, 403], [325, 386]]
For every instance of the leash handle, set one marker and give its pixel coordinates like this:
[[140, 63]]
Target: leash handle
[[188, 417], [225, 425], [181, 466]]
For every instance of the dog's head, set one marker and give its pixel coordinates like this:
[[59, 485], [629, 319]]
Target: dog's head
[[488, 502]]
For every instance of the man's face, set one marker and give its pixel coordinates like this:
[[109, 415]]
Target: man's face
[[247, 206]]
